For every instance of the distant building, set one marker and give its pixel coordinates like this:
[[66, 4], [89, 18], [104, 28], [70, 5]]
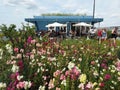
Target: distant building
[[41, 21]]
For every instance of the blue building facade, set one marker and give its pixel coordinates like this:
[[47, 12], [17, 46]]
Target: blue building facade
[[41, 21]]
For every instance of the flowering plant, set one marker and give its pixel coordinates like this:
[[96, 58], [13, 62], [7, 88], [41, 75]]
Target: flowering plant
[[48, 64]]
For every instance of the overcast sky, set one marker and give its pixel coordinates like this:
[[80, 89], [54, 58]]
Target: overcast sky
[[15, 11]]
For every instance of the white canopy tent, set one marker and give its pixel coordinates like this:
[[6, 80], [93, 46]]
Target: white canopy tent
[[54, 25], [82, 24]]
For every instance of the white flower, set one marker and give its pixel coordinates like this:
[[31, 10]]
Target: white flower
[[114, 82], [42, 57], [78, 69], [70, 65], [95, 73], [52, 58], [41, 88], [15, 68], [81, 48], [27, 84], [42, 69], [119, 73], [63, 82], [9, 48], [19, 77], [113, 71], [98, 65], [80, 59], [96, 61], [109, 53], [95, 83], [97, 88], [63, 69], [112, 87], [2, 85], [112, 49], [101, 78], [33, 60], [38, 70], [1, 53], [118, 78], [81, 86]]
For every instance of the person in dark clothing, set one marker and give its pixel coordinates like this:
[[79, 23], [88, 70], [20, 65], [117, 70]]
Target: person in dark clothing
[[114, 35]]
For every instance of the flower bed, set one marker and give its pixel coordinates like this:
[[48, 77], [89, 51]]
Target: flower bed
[[77, 64]]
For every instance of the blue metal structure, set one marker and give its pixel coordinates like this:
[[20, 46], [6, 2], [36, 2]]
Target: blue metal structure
[[41, 21]]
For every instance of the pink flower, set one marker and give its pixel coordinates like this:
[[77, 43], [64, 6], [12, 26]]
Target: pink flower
[[67, 73], [20, 64], [104, 65], [81, 86], [14, 75], [10, 88], [28, 54], [19, 56], [89, 85], [62, 77], [51, 84], [56, 73], [15, 82], [107, 77], [16, 49], [21, 50], [33, 41], [101, 84], [61, 52], [75, 51], [74, 73], [93, 63], [29, 39], [20, 85], [44, 77], [118, 65], [58, 88]]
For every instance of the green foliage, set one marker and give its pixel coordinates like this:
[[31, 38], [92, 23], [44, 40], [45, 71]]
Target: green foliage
[[42, 58], [62, 14], [118, 53], [12, 34]]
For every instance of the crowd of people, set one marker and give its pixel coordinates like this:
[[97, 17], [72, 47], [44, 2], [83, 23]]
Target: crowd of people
[[103, 36]]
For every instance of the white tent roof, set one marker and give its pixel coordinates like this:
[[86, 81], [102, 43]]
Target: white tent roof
[[83, 24], [64, 25], [55, 24]]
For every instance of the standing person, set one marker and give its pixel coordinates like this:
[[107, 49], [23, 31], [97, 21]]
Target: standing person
[[99, 34], [114, 34], [72, 33], [104, 34]]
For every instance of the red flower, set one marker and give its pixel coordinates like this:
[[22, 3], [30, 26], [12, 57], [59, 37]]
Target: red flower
[[92, 62], [20, 64], [107, 77], [101, 84], [29, 39], [16, 49]]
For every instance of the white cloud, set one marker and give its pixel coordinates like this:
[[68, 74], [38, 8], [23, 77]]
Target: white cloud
[[107, 9], [29, 4], [115, 15], [82, 11]]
